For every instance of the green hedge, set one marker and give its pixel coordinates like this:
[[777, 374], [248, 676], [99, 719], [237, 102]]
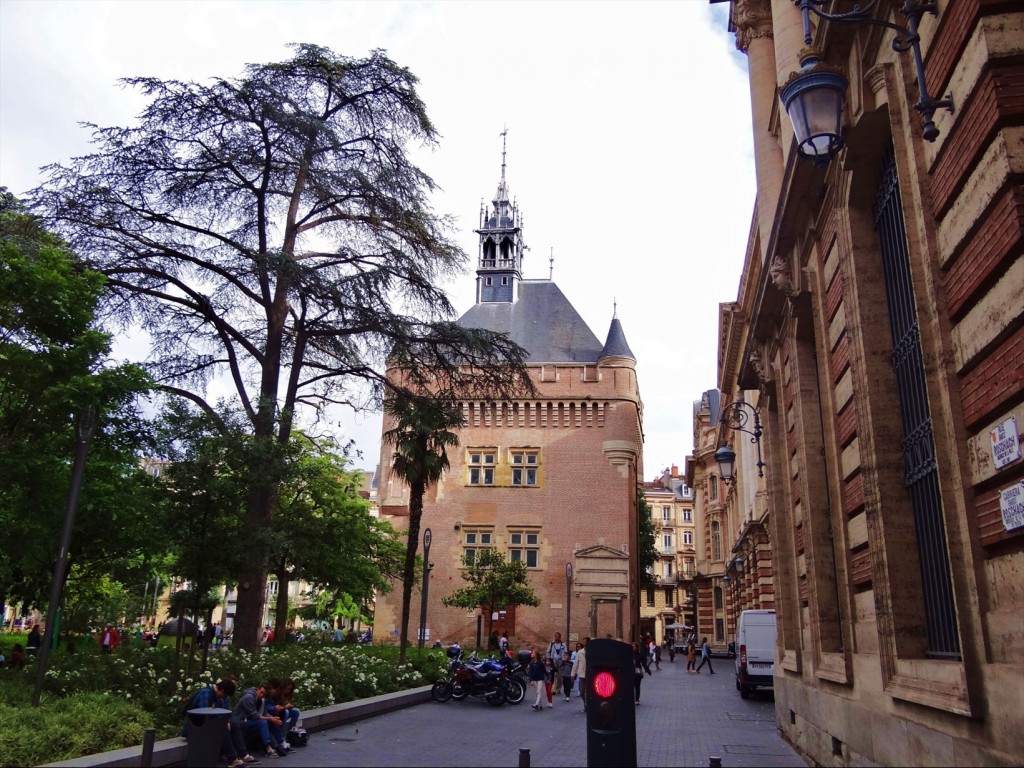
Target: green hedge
[[96, 702]]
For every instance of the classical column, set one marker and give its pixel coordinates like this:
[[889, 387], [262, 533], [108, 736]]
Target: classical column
[[752, 20]]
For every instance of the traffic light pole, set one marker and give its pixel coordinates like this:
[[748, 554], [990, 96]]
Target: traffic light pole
[[611, 712]]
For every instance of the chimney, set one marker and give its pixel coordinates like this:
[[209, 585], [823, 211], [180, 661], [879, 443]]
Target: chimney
[[675, 471]]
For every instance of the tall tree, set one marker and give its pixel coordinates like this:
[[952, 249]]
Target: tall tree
[[421, 436], [494, 585], [272, 230]]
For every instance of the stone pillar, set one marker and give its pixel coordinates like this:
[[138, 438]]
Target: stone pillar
[[788, 28], [754, 36]]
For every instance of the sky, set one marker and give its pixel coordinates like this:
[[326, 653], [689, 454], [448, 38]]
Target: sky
[[629, 147]]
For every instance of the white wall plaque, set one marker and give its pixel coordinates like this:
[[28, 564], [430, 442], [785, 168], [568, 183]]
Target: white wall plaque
[[1005, 442], [1011, 504]]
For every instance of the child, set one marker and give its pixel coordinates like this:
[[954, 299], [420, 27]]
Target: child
[[549, 678], [566, 674]]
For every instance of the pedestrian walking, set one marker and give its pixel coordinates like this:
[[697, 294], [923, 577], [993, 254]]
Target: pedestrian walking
[[640, 666], [535, 673], [556, 648], [550, 673], [566, 670], [657, 657], [691, 657], [705, 656], [579, 670]]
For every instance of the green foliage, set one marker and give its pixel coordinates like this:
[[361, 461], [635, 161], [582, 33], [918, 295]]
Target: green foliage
[[94, 702], [92, 600], [323, 532], [494, 585], [647, 543], [53, 368], [65, 728]]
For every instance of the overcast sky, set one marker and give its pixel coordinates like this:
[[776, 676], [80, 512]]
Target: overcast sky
[[629, 141]]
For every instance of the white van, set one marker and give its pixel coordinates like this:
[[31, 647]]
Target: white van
[[755, 651]]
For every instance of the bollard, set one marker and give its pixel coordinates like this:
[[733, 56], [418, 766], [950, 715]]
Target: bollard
[[524, 758], [148, 742], [714, 761]]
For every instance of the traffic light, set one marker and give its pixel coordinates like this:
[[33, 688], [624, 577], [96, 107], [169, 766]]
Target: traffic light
[[611, 714]]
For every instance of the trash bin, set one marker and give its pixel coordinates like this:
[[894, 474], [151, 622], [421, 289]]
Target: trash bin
[[206, 729]]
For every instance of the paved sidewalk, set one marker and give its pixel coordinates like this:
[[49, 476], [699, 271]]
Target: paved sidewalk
[[682, 720]]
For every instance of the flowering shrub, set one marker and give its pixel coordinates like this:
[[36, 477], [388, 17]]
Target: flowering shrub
[[142, 683]]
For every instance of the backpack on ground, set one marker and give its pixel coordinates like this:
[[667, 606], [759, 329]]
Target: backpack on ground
[[298, 737]]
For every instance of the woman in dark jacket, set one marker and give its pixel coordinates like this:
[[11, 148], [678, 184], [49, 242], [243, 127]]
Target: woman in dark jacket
[[640, 666]]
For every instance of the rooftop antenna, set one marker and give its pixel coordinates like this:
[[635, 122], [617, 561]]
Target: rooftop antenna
[[551, 267]]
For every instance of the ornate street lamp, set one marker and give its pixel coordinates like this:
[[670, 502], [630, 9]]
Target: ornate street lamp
[[813, 96], [735, 416]]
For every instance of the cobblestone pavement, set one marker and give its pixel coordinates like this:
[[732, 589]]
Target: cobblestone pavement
[[682, 720]]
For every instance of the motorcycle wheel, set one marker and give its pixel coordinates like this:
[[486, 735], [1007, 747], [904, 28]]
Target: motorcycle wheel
[[496, 697], [515, 691], [441, 691], [458, 692]]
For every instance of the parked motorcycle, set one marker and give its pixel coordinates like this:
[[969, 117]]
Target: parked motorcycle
[[515, 679], [463, 680]]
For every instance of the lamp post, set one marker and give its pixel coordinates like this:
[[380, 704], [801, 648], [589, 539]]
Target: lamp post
[[426, 585], [84, 430], [736, 416], [813, 96], [568, 599]]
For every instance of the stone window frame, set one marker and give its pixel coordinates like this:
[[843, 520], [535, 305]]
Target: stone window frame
[[475, 539], [527, 470], [520, 546], [480, 462]]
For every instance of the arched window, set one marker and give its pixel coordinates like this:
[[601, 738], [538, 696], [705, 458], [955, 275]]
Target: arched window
[[716, 541], [713, 487]]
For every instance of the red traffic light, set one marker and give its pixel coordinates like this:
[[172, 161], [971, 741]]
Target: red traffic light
[[604, 684]]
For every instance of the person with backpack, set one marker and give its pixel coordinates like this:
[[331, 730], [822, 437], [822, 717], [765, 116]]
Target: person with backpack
[[566, 670], [556, 648], [217, 695]]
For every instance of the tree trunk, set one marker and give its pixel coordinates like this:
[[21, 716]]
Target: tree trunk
[[252, 582], [417, 490]]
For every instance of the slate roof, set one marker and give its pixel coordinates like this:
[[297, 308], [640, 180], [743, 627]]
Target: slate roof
[[541, 321], [616, 345]]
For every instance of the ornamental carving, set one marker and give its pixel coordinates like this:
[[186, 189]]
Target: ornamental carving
[[753, 21], [781, 274], [761, 369]]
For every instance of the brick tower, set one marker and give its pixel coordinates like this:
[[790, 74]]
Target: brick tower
[[551, 480]]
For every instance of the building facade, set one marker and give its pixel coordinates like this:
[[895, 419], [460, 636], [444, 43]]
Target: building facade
[[879, 332], [667, 602], [551, 481]]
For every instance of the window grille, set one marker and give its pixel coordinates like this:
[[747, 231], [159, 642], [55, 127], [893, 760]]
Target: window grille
[[917, 445]]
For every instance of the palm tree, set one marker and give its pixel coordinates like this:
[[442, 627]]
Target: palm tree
[[420, 438]]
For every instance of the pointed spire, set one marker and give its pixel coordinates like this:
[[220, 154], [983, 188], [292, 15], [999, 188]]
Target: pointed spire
[[616, 344], [501, 196]]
